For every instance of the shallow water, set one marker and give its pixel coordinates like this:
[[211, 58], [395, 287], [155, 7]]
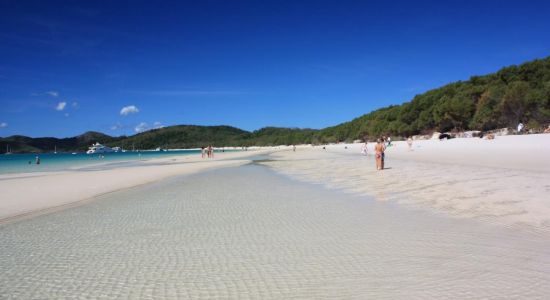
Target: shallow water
[[25, 163], [248, 233]]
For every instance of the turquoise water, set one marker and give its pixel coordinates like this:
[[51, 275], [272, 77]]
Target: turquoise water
[[23, 163]]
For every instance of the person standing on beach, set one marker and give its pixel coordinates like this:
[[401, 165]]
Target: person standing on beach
[[203, 152], [379, 154], [520, 127], [410, 143]]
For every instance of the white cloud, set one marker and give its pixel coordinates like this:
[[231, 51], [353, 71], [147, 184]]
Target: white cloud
[[54, 94], [141, 127], [61, 106], [75, 105], [126, 110], [3, 125]]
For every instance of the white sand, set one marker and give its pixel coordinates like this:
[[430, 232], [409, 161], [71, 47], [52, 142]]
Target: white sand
[[504, 181], [24, 194]]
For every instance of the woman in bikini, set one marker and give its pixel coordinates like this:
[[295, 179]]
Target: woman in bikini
[[379, 153]]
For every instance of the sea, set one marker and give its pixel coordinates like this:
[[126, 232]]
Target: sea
[[26, 163]]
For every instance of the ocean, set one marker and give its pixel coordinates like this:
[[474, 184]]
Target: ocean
[[25, 163]]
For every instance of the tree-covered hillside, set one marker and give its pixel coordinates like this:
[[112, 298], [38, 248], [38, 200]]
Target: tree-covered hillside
[[185, 136], [502, 99]]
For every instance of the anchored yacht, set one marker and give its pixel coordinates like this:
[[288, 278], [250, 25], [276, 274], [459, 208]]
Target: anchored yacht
[[98, 148]]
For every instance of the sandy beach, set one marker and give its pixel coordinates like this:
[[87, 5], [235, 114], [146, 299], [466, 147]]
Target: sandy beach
[[458, 219], [505, 181]]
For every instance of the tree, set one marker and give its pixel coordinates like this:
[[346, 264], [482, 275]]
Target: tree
[[487, 114], [515, 102], [453, 112]]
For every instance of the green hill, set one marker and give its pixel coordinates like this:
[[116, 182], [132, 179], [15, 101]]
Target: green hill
[[185, 136], [501, 99]]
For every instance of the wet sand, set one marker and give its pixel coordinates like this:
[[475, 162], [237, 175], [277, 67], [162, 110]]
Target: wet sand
[[248, 233]]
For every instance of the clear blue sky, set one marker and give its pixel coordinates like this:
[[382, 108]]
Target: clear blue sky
[[246, 64]]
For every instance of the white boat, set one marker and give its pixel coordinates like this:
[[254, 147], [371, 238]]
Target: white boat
[[7, 150], [98, 148]]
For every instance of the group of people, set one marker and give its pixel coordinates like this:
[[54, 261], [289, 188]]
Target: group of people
[[379, 149], [36, 160], [207, 152]]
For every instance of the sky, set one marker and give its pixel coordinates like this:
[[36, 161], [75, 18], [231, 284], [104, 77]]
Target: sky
[[122, 67]]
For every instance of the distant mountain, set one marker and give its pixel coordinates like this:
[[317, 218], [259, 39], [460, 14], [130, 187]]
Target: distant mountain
[[18, 143], [501, 99], [174, 137], [185, 136]]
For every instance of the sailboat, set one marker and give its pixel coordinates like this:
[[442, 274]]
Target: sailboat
[[7, 149]]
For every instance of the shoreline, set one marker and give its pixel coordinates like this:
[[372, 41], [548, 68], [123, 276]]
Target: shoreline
[[463, 177], [31, 194]]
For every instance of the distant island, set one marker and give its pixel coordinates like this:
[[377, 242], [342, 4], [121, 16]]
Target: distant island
[[503, 99]]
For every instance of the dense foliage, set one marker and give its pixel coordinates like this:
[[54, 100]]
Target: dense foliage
[[502, 99]]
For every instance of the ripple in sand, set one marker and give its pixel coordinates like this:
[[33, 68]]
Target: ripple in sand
[[244, 233]]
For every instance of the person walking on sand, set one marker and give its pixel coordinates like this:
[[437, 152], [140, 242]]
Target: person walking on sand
[[379, 154], [364, 149], [203, 152], [410, 143]]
